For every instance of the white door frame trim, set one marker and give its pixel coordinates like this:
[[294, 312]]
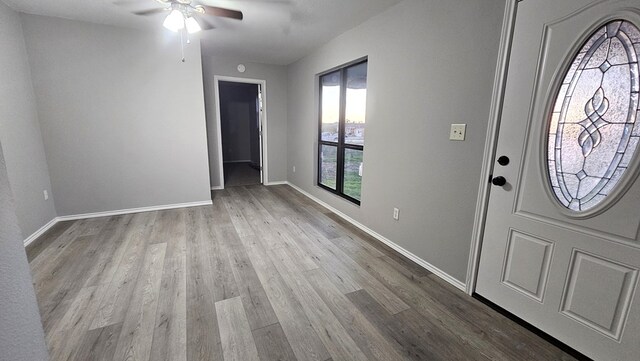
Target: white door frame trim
[[263, 83], [495, 114]]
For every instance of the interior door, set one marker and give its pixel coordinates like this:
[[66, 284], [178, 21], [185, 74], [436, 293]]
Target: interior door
[[561, 247], [260, 119]]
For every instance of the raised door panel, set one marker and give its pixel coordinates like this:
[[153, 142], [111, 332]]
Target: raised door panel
[[527, 263]]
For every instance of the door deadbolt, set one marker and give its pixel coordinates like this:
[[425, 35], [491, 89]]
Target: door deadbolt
[[503, 160]]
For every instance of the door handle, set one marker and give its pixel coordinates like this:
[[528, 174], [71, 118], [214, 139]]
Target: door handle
[[499, 181]]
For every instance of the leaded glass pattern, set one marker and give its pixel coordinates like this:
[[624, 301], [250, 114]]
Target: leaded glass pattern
[[593, 134]]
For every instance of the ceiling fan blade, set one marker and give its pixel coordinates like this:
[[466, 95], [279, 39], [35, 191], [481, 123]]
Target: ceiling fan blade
[[222, 12], [150, 12]]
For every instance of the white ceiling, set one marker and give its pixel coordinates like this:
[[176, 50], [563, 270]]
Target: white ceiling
[[273, 31]]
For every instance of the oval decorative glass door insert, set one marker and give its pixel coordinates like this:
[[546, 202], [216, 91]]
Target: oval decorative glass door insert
[[593, 133]]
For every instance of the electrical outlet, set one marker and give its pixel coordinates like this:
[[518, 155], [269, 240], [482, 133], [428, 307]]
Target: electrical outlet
[[46, 195], [294, 169], [396, 214], [457, 131]]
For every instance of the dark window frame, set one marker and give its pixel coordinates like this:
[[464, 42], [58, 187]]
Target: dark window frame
[[340, 145]]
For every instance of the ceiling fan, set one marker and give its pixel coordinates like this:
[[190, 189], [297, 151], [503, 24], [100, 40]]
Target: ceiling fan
[[182, 15]]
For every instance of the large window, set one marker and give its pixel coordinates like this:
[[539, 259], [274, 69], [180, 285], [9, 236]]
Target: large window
[[343, 100]]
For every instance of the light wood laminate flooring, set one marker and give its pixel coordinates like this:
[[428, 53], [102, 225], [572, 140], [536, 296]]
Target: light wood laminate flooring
[[262, 274]]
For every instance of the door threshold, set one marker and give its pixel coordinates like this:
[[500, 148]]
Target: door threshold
[[538, 332]]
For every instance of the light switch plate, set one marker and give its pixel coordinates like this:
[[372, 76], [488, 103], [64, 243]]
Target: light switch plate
[[457, 131]]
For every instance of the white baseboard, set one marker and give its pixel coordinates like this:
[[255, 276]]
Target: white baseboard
[[218, 188], [40, 232], [134, 210], [424, 264], [75, 217], [277, 183]]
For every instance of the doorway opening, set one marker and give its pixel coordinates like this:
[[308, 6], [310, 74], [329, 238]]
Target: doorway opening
[[240, 118]]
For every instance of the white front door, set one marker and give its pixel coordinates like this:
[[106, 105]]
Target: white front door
[[561, 248]]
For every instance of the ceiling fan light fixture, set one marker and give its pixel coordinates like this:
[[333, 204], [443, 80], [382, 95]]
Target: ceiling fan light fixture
[[175, 21], [192, 25]]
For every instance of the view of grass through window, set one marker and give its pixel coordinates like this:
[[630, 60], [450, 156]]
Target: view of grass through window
[[343, 99], [352, 173], [329, 157]]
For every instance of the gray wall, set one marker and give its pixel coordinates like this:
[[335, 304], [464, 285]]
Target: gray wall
[[239, 121], [21, 334], [431, 63], [19, 129], [236, 135], [276, 106], [122, 118]]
